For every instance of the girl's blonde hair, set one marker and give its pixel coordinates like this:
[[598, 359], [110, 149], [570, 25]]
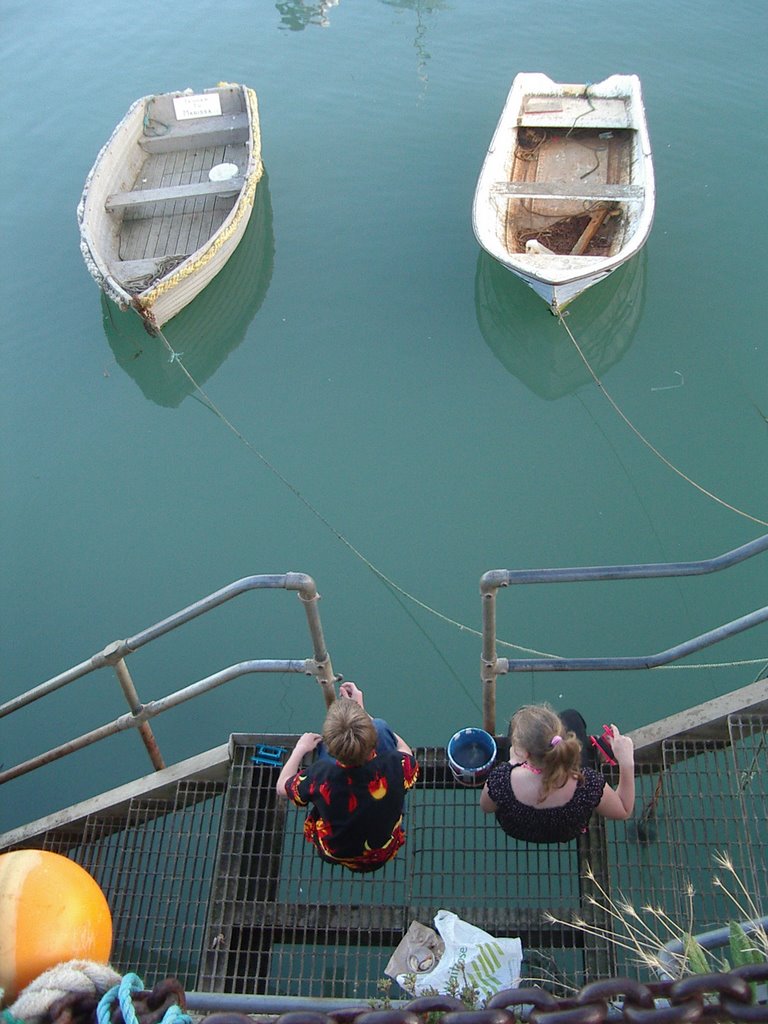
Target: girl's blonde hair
[[537, 729], [348, 733]]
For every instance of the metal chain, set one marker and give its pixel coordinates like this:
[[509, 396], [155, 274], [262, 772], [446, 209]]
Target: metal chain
[[149, 1007], [728, 996], [708, 997]]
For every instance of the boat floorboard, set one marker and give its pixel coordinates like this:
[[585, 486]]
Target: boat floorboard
[[572, 159], [178, 226]]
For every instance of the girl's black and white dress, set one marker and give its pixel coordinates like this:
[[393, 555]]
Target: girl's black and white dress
[[544, 824]]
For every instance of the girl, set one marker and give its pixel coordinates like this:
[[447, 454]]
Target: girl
[[544, 794]]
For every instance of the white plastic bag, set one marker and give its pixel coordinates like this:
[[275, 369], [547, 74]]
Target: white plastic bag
[[472, 959]]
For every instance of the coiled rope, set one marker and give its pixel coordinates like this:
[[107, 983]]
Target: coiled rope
[[82, 979], [176, 357], [123, 995], [85, 992]]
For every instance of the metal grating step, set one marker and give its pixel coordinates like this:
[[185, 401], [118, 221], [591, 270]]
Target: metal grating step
[[749, 735], [215, 883], [706, 797], [154, 863], [707, 815], [283, 922]]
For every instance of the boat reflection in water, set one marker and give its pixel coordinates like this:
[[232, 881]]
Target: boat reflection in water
[[297, 14], [536, 348], [209, 328], [423, 9]]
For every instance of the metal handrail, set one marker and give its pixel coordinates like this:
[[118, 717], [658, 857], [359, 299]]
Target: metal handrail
[[491, 581], [115, 653], [671, 952]]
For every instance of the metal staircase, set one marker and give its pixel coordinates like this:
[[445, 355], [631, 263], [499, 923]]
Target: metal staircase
[[211, 880]]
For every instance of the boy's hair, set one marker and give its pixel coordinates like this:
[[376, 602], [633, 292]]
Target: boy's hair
[[348, 733], [532, 728]]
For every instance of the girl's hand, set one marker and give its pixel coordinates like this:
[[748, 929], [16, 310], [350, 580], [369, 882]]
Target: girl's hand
[[623, 748]]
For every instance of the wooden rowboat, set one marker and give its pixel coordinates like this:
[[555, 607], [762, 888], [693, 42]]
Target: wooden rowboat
[[566, 192], [210, 328], [169, 197]]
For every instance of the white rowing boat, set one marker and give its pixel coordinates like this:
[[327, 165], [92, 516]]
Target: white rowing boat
[[169, 197], [566, 192], [209, 329]]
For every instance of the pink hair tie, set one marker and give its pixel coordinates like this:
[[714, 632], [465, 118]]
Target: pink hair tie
[[555, 740]]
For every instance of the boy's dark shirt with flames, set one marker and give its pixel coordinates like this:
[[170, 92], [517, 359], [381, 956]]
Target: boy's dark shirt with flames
[[356, 813]]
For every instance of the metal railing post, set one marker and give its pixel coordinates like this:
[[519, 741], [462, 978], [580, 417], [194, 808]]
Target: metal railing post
[[145, 729], [115, 653], [488, 668], [309, 597], [135, 719]]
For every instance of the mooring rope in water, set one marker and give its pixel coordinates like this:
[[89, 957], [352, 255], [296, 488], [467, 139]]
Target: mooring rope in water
[[176, 357], [645, 441]]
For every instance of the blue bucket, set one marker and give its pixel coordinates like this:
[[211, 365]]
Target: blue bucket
[[471, 753]]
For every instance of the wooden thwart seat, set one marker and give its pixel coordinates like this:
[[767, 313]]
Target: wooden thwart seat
[[215, 131], [122, 200], [560, 190], [582, 111]]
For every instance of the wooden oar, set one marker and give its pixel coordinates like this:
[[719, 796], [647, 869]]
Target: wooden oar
[[590, 230]]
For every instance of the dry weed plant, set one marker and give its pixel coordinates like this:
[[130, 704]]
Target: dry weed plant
[[646, 934]]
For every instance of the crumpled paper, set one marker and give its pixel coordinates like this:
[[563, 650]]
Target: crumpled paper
[[419, 952]]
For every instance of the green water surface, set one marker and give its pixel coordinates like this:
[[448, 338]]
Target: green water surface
[[419, 398]]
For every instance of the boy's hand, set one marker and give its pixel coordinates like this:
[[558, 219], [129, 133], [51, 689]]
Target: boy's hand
[[308, 741], [352, 692], [623, 748]]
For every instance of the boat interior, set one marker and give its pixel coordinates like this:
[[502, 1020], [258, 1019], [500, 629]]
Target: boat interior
[[587, 219], [190, 173], [569, 184]]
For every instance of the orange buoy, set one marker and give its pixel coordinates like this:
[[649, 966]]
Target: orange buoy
[[51, 911]]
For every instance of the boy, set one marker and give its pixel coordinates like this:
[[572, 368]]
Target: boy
[[356, 785]]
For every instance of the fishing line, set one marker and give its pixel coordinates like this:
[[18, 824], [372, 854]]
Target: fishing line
[[646, 442], [638, 493], [451, 670], [645, 825], [747, 775], [395, 589], [176, 357]]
